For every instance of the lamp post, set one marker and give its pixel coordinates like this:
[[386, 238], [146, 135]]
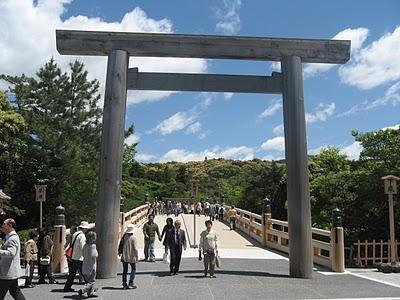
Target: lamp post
[[121, 204], [266, 206], [146, 197], [390, 183], [266, 215]]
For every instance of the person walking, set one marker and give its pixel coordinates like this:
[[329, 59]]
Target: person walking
[[128, 250], [89, 253], [78, 241], [208, 246], [10, 268], [149, 231], [176, 241], [232, 212], [45, 250], [221, 211], [31, 256], [212, 212], [68, 243], [164, 233]]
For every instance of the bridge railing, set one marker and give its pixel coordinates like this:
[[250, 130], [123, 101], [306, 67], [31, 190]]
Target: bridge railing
[[134, 216], [328, 246]]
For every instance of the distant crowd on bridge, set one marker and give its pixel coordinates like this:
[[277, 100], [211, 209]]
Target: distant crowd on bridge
[[81, 252]]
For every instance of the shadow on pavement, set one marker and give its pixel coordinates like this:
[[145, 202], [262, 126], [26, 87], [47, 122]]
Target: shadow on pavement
[[226, 272], [112, 288]]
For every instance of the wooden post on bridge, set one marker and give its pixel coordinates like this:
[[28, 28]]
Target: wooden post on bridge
[[108, 205], [298, 195]]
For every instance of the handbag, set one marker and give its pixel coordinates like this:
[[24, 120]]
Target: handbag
[[218, 261], [166, 258], [27, 270], [45, 260], [70, 249]]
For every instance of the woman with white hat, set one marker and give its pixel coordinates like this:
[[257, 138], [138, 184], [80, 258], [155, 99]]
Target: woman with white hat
[[129, 255], [78, 241]]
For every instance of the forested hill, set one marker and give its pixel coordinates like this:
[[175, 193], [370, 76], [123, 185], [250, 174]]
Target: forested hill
[[243, 183]]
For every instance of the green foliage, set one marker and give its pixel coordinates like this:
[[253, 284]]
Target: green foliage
[[63, 142]]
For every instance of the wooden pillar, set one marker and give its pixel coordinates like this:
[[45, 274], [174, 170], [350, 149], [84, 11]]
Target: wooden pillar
[[59, 263], [108, 205], [299, 211], [393, 246], [337, 249]]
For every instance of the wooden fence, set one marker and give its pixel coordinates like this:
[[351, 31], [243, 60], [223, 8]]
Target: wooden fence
[[368, 253]]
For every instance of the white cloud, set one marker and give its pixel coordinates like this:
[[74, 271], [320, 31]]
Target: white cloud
[[181, 155], [275, 106], [228, 17], [228, 96], [185, 119], [376, 64], [352, 151], [27, 41], [278, 129], [321, 113], [176, 122], [395, 127], [357, 37], [145, 157], [276, 143], [391, 97], [132, 139], [316, 151], [193, 128]]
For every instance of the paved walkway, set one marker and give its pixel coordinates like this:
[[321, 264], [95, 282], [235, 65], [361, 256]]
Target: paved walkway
[[247, 272]]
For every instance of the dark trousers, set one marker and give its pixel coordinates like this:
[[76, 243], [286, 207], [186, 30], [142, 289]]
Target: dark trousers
[[12, 287], [44, 270], [28, 279], [232, 222], [76, 266], [176, 255], [81, 280], [125, 272]]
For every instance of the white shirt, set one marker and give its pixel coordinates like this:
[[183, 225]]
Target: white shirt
[[80, 241]]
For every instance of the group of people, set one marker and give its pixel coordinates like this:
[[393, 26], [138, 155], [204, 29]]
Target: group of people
[[81, 252]]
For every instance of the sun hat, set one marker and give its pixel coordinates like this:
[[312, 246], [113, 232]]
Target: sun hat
[[84, 225], [131, 228]]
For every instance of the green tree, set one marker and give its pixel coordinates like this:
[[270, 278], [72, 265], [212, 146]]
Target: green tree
[[63, 117]]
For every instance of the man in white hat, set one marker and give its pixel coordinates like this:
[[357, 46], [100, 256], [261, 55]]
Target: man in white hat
[[78, 241], [129, 255]]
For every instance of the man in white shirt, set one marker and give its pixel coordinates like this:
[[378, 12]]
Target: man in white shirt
[[77, 242], [10, 268]]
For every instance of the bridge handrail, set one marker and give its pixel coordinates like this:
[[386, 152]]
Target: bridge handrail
[[274, 233]]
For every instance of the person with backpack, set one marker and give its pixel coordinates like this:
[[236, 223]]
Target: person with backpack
[[78, 241], [128, 250]]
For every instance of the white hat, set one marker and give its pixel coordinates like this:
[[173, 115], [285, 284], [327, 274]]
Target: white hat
[[131, 228], [84, 225]]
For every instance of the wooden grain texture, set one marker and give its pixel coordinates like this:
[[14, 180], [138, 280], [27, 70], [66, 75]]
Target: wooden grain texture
[[76, 42], [298, 193], [203, 82]]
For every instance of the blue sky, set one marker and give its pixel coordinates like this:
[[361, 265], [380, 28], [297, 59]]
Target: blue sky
[[364, 94]]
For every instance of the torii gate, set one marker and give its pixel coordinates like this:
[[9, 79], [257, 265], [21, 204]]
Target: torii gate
[[118, 46]]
